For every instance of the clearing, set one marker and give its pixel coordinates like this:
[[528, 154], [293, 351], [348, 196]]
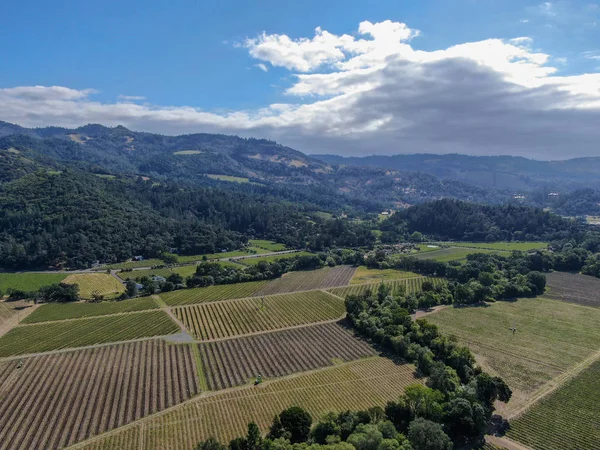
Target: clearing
[[212, 293], [308, 280], [229, 178], [574, 288], [366, 275], [100, 283], [188, 152], [267, 245]]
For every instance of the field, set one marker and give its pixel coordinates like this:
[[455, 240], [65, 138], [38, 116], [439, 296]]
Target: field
[[567, 418], [101, 283], [238, 317], [309, 280], [28, 281], [256, 259], [193, 258], [267, 245], [551, 337], [56, 400], [188, 152], [228, 178], [9, 309], [574, 288], [45, 337], [133, 264], [233, 362], [212, 293], [61, 311], [184, 271], [365, 275], [452, 254], [411, 285], [356, 385], [502, 246]]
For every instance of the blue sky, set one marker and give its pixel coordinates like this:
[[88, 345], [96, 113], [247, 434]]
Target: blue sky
[[191, 55]]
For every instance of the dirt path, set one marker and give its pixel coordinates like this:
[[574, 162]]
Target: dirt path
[[13, 321], [159, 301], [506, 443], [426, 312]]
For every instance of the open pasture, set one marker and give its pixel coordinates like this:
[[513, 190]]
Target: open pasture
[[573, 288], [49, 336], [212, 293], [61, 311], [551, 337], [224, 319], [237, 361], [28, 281], [101, 283], [410, 284], [307, 280], [364, 275], [267, 245], [356, 385], [56, 400], [567, 418]]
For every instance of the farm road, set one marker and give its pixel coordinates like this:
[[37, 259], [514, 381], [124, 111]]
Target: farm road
[[505, 443], [13, 321]]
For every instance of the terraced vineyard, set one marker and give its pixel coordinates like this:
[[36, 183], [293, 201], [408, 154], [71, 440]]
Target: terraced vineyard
[[567, 418], [308, 280], [44, 337], [212, 293], [101, 283], [56, 400], [61, 311], [357, 385], [236, 361], [411, 285], [238, 317]]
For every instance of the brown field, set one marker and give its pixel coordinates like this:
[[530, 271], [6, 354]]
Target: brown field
[[58, 399], [10, 309], [231, 318], [573, 288], [236, 361], [308, 280], [356, 385]]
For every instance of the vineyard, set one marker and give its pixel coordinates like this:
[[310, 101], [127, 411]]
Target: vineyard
[[57, 400], [411, 285], [567, 418], [9, 309], [49, 336], [357, 385], [238, 317], [365, 275], [273, 258], [309, 280], [61, 311], [233, 362], [90, 283], [212, 293], [574, 288]]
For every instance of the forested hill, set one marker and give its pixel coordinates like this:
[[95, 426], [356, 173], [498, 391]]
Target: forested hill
[[455, 220]]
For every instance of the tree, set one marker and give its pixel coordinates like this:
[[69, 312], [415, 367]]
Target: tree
[[366, 437], [444, 379], [327, 426], [464, 419], [131, 288], [60, 293], [296, 421], [253, 438], [210, 444], [427, 435], [417, 236]]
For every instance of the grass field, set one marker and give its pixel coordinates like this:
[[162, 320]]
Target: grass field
[[365, 275], [28, 281], [306, 280], [45, 337], [228, 178], [502, 246], [212, 293], [567, 418], [267, 245], [357, 385], [184, 271], [61, 311], [239, 317], [188, 152], [411, 285], [57, 400], [551, 337], [133, 264], [273, 258], [101, 283], [452, 254]]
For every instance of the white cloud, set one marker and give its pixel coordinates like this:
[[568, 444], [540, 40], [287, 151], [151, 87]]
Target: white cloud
[[262, 67], [374, 92], [548, 9], [524, 20], [131, 98], [591, 55]]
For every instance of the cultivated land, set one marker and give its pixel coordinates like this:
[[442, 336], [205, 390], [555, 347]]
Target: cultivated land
[[233, 362], [552, 336], [133, 264], [267, 245], [453, 253], [212, 293], [309, 280], [574, 288], [61, 311], [356, 385], [9, 309], [45, 337], [364, 275], [410, 284], [567, 418], [228, 178], [58, 399], [502, 246], [224, 319], [28, 281], [100, 283], [184, 271], [256, 259]]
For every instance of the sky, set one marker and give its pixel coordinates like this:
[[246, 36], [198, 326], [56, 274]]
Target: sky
[[479, 77]]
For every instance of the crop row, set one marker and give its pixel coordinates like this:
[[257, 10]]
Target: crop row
[[9, 309], [91, 283], [57, 400], [61, 311], [567, 418], [243, 316], [49, 336], [212, 293], [235, 361], [410, 284], [356, 385], [308, 280]]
